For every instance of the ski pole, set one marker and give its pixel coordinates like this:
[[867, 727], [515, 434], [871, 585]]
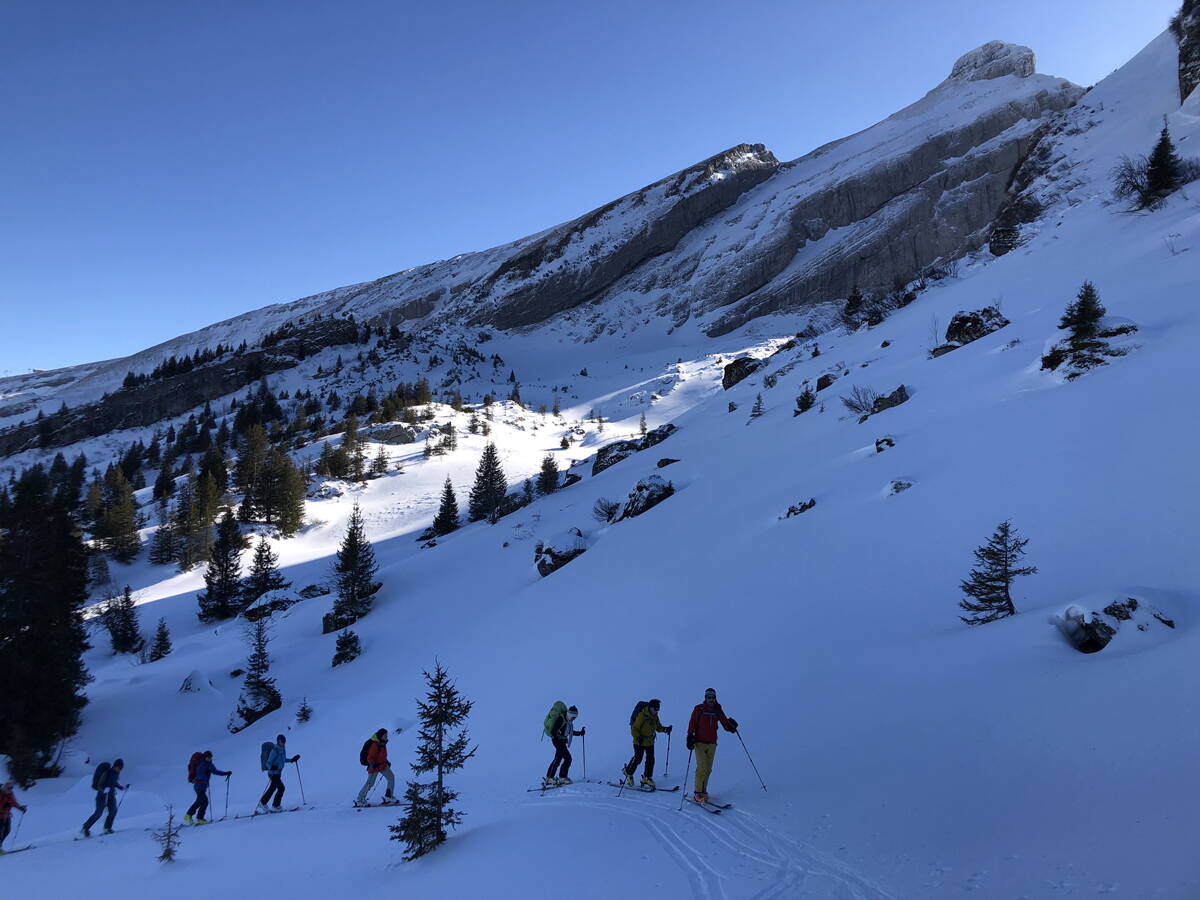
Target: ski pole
[[584, 737], [226, 816], [303, 800], [17, 834], [751, 758], [667, 767], [683, 792], [124, 791]]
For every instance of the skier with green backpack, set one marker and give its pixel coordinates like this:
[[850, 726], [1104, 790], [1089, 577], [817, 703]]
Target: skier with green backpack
[[559, 726]]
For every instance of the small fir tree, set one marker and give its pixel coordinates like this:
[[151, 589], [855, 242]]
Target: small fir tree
[[440, 750], [757, 409], [805, 401], [565, 443], [121, 620], [119, 520], [222, 578], [1083, 315], [162, 642], [304, 712], [446, 520], [264, 574], [379, 465], [547, 481], [487, 494], [1164, 169], [354, 575], [989, 584], [259, 695], [346, 648], [168, 838], [642, 425]]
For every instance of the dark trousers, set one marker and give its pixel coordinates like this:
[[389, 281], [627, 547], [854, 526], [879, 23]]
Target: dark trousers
[[561, 756], [200, 806], [5, 825], [107, 798], [638, 752], [275, 786]]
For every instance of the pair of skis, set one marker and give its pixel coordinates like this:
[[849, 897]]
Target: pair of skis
[[18, 850], [377, 803], [256, 814], [644, 790], [551, 787], [708, 805]]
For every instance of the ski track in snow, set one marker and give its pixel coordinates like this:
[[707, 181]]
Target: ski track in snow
[[735, 848]]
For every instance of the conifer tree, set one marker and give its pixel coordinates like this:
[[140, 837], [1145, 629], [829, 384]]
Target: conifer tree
[[805, 401], [379, 465], [121, 620], [223, 576], [487, 495], [757, 409], [347, 647], [264, 574], [119, 521], [440, 750], [642, 425], [162, 642], [282, 493], [259, 695], [251, 458], [43, 586], [1083, 316], [547, 481], [1164, 169], [446, 520], [354, 574], [988, 586]]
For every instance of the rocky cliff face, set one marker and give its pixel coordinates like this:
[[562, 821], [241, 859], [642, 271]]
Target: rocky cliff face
[[1186, 27]]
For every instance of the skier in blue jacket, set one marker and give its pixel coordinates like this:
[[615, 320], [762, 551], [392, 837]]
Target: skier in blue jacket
[[202, 774], [275, 762]]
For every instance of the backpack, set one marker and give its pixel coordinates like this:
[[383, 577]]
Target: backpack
[[362, 754], [264, 754], [193, 765], [558, 709], [637, 708], [100, 775]]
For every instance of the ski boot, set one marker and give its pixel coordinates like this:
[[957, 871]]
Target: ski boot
[[260, 809], [108, 831], [701, 797], [549, 782], [85, 831], [561, 780], [187, 819], [648, 783], [202, 821]]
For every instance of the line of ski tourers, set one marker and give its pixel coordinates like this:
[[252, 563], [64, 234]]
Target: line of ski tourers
[[559, 726], [644, 726]]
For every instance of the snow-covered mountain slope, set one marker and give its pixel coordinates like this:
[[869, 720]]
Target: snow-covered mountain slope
[[729, 239], [904, 754]]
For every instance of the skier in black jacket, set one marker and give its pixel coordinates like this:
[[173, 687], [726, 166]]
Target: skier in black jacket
[[561, 732], [106, 796]]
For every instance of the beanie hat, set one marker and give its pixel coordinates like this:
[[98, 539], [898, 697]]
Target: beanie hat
[[119, 764], [656, 703], [709, 692], [280, 739]]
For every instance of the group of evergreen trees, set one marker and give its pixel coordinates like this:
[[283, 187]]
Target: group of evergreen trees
[[226, 592], [179, 365], [272, 486]]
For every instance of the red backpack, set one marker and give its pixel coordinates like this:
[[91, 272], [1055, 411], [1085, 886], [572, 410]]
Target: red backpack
[[193, 764]]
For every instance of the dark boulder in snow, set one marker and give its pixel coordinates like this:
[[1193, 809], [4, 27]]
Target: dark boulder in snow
[[313, 590], [966, 327], [899, 486], [569, 479], [826, 380], [648, 493], [1087, 632], [396, 434], [895, 398], [1186, 27], [739, 370], [884, 443], [666, 461], [796, 508], [611, 454], [550, 556]]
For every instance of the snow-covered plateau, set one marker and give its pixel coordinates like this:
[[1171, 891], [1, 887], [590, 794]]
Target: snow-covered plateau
[[903, 753]]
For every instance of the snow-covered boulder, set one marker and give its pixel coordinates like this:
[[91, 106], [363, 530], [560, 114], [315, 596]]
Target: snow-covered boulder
[[739, 370], [649, 492], [611, 454], [326, 490], [796, 508], [551, 555], [1089, 631], [270, 603], [971, 325]]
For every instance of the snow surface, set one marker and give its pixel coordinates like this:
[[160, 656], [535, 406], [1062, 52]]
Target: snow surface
[[904, 754]]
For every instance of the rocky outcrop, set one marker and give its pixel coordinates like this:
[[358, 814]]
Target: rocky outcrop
[[648, 493], [825, 380], [966, 327], [1186, 28], [550, 556], [611, 454], [895, 398], [797, 508], [739, 370], [270, 603]]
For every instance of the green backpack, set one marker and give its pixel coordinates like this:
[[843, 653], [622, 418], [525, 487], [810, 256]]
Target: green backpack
[[558, 709]]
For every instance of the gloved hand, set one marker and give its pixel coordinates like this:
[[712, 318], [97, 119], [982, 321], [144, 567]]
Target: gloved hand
[[294, 758], [227, 774], [668, 729], [733, 726], [24, 809], [583, 731], [691, 742]]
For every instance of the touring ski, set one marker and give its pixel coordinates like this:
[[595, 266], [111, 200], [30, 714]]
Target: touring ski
[[551, 787], [255, 815], [18, 850], [715, 808], [376, 803], [644, 790]]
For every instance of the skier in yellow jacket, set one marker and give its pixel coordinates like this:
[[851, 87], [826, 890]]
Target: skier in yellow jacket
[[644, 726]]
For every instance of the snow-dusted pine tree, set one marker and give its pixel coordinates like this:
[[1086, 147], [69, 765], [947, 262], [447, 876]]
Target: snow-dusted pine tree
[[988, 586], [264, 574], [487, 495], [259, 695], [347, 647], [547, 480], [427, 806], [162, 642], [121, 620], [446, 520], [167, 837], [354, 575], [223, 577]]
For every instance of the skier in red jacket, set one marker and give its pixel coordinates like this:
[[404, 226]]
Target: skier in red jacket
[[377, 764], [702, 737], [8, 800]]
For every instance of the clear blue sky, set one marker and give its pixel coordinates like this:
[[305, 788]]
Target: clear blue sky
[[165, 165]]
